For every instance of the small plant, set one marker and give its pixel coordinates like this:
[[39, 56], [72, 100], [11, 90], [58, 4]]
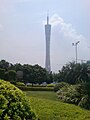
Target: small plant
[[50, 85], [20, 84]]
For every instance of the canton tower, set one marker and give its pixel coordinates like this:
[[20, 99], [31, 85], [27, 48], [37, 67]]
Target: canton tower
[[47, 37]]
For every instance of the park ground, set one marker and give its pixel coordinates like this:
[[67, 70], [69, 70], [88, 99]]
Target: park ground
[[48, 107]]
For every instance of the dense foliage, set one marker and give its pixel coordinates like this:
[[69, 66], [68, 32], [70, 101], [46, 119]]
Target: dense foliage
[[20, 84], [70, 73], [74, 73], [24, 73], [13, 103], [58, 86], [76, 94]]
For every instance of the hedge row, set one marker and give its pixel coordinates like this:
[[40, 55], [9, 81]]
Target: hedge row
[[26, 88]]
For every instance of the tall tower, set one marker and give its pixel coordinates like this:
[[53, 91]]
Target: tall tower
[[47, 36]]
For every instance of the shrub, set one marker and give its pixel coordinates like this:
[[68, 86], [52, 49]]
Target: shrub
[[32, 85], [75, 94], [13, 103], [58, 86], [50, 85], [20, 84], [29, 84], [85, 102]]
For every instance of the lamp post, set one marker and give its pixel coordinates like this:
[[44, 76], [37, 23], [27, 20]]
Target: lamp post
[[75, 44]]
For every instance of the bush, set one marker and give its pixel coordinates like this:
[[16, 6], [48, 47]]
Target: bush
[[58, 86], [13, 103], [85, 102], [20, 84], [32, 85], [75, 94], [50, 85]]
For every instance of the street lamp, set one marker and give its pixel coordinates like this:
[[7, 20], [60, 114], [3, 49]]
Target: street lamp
[[75, 44]]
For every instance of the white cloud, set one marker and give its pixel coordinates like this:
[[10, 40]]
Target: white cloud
[[66, 28], [63, 35]]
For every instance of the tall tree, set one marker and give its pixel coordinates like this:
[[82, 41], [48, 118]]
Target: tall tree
[[4, 64], [73, 73], [10, 75]]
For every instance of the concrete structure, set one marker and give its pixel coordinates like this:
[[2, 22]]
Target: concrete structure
[[47, 36]]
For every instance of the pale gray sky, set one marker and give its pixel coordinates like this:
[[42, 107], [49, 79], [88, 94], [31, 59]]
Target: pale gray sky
[[22, 35]]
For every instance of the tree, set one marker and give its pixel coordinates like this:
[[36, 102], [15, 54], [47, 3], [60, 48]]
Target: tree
[[27, 73], [50, 78], [31, 73], [39, 74], [73, 73], [4, 64], [10, 75], [57, 77], [17, 67], [2, 73], [84, 75]]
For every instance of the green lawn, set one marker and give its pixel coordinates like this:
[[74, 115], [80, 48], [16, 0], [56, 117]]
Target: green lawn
[[47, 107]]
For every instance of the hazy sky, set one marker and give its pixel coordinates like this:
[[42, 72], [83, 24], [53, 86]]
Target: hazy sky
[[22, 34]]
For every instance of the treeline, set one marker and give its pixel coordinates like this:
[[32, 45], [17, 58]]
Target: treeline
[[71, 73], [24, 73]]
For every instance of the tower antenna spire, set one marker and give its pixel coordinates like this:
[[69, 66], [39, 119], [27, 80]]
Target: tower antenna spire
[[47, 17]]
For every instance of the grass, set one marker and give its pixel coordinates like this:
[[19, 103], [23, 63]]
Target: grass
[[47, 95], [47, 107]]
